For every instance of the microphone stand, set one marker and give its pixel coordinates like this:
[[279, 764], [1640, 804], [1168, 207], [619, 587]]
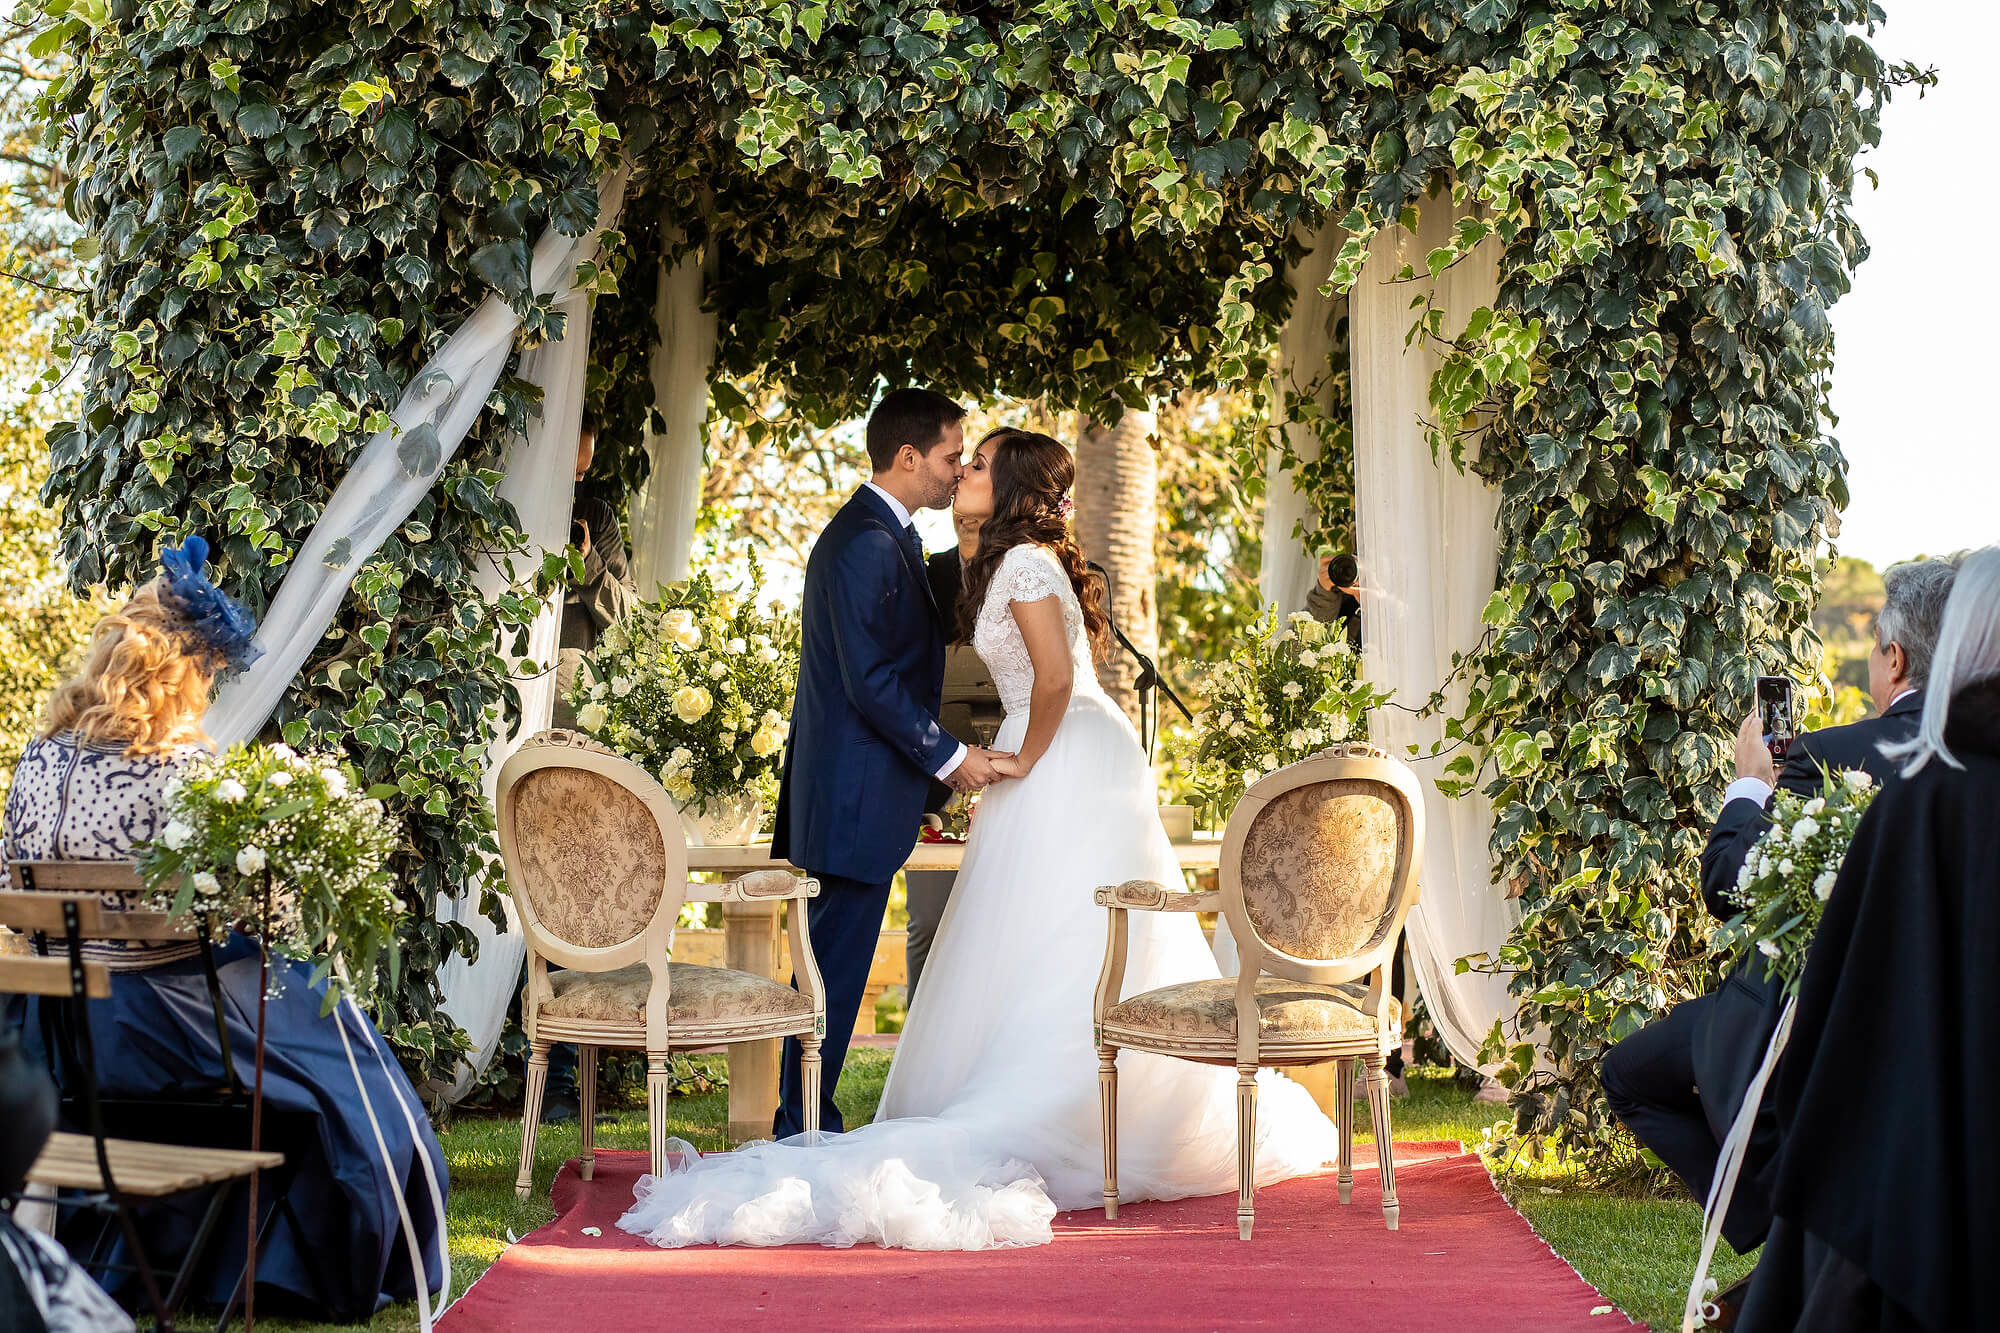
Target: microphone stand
[[1150, 683]]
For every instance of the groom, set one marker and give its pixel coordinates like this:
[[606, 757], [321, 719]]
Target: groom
[[865, 743]]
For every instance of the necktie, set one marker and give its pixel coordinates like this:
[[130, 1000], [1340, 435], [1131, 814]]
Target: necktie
[[910, 540]]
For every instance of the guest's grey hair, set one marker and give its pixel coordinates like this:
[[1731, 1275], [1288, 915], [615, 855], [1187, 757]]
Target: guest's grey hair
[[1912, 612], [1968, 651]]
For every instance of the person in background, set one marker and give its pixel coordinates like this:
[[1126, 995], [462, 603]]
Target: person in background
[[92, 786], [1678, 1082], [605, 593], [1883, 1199], [1335, 598]]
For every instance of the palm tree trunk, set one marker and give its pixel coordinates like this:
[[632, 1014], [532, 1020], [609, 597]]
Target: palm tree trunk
[[1117, 520]]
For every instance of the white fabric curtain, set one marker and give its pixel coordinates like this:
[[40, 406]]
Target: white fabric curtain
[[1429, 551], [664, 513], [390, 475], [1288, 568]]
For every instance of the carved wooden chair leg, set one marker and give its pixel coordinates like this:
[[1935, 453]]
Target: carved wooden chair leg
[[659, 1087], [531, 1114], [809, 1079], [586, 1110], [1385, 1148], [1343, 1114], [1246, 1149], [1107, 1089]]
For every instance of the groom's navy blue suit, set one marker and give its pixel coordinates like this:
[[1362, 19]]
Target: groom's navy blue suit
[[865, 742]]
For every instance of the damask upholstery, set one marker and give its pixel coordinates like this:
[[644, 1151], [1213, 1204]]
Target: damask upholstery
[[589, 856], [698, 994], [1287, 1011], [1319, 868]]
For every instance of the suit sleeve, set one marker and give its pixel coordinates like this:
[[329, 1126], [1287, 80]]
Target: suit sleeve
[[1736, 830], [864, 596], [1805, 771]]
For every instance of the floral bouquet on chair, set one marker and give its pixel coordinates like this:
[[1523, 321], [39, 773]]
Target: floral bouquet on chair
[[1292, 690], [1789, 873], [284, 844], [694, 687]]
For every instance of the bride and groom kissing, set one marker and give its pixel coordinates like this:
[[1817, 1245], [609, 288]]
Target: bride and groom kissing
[[989, 1122]]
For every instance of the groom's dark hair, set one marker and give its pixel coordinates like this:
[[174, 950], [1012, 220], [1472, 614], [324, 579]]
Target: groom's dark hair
[[916, 417]]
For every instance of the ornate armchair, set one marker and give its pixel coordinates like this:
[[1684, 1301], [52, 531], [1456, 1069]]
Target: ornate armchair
[[1319, 868], [597, 868]]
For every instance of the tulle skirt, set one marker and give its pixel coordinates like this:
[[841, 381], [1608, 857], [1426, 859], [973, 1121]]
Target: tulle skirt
[[990, 1120]]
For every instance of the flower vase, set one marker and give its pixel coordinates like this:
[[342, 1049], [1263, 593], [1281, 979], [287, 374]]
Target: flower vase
[[723, 821]]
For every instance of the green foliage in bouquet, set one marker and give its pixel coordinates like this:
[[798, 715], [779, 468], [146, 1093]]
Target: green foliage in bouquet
[[1292, 689], [1789, 873], [284, 845], [696, 688]]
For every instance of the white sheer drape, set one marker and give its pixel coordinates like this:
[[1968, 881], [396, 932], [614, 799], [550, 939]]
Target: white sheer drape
[[1288, 567], [664, 512], [1429, 552], [390, 475]]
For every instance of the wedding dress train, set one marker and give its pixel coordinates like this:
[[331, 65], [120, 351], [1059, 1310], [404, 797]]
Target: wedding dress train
[[990, 1120]]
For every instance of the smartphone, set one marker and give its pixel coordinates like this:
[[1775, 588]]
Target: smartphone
[[1775, 712]]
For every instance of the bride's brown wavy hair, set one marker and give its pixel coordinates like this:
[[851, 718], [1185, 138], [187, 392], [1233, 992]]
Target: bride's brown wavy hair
[[1032, 474]]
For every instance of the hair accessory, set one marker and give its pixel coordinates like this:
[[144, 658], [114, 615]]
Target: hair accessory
[[1066, 507], [213, 615]]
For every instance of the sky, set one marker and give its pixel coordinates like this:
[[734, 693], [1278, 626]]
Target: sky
[[1916, 341]]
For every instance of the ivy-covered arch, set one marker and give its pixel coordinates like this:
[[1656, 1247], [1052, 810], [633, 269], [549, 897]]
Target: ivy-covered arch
[[294, 202]]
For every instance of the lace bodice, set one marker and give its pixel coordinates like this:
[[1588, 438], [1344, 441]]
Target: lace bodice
[[1027, 573]]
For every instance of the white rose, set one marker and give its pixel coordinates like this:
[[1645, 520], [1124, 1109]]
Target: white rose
[[765, 743], [737, 646], [1856, 780], [1297, 740], [717, 671], [1270, 762], [335, 780], [597, 690], [229, 791], [280, 779], [285, 752], [1804, 829], [613, 639], [1293, 689], [176, 835], [1769, 948], [1236, 728], [592, 717], [1338, 726], [1785, 867], [1225, 718], [1814, 806], [1309, 658], [207, 883], [691, 703], [250, 860], [621, 686], [1823, 886], [682, 757], [681, 789], [767, 655]]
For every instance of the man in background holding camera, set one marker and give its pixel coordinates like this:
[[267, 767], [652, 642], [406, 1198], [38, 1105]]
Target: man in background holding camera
[[1678, 1083]]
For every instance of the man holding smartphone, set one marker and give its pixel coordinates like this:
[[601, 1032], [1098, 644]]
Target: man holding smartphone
[[1678, 1082]]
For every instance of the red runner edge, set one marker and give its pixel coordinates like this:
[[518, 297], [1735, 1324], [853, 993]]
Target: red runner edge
[[1464, 1260]]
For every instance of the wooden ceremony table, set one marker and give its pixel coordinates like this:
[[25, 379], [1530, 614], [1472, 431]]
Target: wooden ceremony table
[[751, 944]]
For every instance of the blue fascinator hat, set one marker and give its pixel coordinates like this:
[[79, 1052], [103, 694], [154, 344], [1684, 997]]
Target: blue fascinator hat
[[213, 616]]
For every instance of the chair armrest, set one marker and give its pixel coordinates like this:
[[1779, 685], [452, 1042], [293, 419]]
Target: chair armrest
[[1143, 895], [756, 886]]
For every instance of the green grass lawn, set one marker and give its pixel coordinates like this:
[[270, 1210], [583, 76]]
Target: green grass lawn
[[1638, 1251]]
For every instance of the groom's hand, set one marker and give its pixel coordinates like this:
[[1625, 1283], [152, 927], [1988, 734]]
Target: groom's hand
[[976, 770]]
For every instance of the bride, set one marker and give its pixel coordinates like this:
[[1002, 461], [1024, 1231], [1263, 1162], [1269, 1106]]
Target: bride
[[989, 1122]]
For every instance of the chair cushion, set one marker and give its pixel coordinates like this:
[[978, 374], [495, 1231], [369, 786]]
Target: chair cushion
[[698, 995], [1204, 1012]]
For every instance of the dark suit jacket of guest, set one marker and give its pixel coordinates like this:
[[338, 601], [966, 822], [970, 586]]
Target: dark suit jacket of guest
[[606, 594], [1331, 606], [1738, 1017], [865, 740]]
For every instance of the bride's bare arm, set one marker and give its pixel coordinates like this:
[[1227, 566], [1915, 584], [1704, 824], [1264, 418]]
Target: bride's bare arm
[[1047, 641]]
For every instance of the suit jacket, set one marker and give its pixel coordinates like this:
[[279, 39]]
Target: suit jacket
[[606, 593], [1738, 1017], [1331, 606], [865, 739]]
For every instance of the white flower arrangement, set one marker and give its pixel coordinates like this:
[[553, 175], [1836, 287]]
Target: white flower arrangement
[[283, 845], [1789, 874], [1293, 689], [679, 691]]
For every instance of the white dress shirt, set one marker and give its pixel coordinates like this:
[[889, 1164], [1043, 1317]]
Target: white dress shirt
[[1758, 790], [903, 517]]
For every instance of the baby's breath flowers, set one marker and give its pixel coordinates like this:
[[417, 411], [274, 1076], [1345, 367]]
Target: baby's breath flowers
[[695, 688], [1790, 872], [1293, 689], [264, 818]]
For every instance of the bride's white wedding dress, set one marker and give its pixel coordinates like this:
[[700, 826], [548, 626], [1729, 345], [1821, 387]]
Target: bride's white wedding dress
[[990, 1123]]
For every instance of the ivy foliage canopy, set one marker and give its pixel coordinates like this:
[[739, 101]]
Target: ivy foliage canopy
[[293, 202]]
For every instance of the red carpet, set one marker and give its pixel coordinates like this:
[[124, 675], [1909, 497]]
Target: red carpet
[[1463, 1261]]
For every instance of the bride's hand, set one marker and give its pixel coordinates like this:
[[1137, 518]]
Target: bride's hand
[[1010, 766]]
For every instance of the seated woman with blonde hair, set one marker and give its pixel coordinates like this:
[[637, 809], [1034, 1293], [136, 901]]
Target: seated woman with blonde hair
[[93, 786]]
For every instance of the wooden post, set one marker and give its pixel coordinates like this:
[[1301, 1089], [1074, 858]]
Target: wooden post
[[750, 944]]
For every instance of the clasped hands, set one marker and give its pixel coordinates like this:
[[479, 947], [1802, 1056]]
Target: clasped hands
[[982, 768]]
